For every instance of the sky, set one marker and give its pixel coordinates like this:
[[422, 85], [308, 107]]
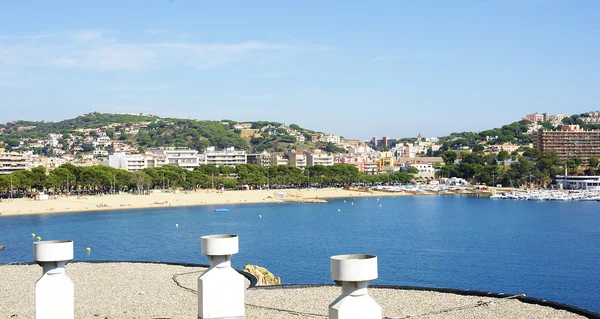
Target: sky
[[354, 68]]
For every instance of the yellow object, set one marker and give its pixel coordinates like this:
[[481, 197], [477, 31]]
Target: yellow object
[[88, 249], [39, 238], [32, 235]]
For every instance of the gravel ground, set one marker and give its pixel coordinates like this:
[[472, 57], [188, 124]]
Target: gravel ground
[[135, 290]]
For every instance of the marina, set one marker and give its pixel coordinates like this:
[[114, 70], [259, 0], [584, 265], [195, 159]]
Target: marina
[[550, 195]]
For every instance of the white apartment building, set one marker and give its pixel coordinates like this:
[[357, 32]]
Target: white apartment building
[[176, 156], [227, 157], [319, 159], [12, 162], [100, 153], [330, 138], [425, 169], [131, 162]]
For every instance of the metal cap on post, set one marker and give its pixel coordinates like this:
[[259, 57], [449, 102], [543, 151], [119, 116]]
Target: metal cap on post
[[354, 273], [54, 296], [220, 288]]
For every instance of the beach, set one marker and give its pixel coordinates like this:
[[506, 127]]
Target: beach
[[62, 204]]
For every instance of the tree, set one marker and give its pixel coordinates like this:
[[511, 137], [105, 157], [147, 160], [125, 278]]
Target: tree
[[412, 170], [142, 181], [503, 156], [593, 162], [478, 148], [87, 147], [449, 157], [39, 177]]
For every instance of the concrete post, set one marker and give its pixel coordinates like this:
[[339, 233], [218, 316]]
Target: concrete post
[[220, 288], [354, 273], [54, 296]]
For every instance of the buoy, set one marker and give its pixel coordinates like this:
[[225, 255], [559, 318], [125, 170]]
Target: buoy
[[339, 210], [88, 249], [352, 203], [39, 238], [344, 201], [378, 199], [2, 247], [32, 235], [176, 225], [259, 216], [379, 205]]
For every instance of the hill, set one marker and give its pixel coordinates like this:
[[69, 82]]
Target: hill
[[142, 131]]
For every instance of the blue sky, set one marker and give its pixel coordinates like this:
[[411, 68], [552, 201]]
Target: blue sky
[[355, 68]]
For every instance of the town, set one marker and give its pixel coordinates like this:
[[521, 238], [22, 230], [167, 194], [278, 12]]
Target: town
[[536, 151]]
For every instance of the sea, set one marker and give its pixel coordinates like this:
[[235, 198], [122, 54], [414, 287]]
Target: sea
[[548, 250]]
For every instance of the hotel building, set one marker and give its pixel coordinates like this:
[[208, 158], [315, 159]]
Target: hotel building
[[570, 142]]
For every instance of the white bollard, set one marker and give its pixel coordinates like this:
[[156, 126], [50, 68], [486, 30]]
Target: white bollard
[[54, 297], [354, 273], [220, 288]]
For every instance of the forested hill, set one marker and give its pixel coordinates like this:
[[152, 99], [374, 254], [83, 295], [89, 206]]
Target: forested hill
[[91, 120], [145, 130]]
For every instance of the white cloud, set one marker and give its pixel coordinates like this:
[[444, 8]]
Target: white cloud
[[96, 50]]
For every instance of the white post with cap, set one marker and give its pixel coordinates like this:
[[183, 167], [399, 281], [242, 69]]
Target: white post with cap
[[220, 288], [54, 295], [354, 273]]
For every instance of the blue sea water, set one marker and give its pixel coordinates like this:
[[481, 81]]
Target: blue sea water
[[547, 250]]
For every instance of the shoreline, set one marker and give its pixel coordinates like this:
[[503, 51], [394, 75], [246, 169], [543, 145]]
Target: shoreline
[[82, 204]]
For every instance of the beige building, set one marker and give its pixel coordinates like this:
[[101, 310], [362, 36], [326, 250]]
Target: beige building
[[279, 159], [319, 159], [297, 159], [12, 162], [262, 159]]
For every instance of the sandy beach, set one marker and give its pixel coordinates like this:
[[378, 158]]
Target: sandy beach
[[61, 204]]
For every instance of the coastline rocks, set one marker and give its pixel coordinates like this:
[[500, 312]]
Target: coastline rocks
[[265, 278], [304, 200]]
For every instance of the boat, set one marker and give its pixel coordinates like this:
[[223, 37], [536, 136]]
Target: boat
[[221, 210]]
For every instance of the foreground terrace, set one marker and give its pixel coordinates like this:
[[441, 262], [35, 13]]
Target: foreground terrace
[[153, 290]]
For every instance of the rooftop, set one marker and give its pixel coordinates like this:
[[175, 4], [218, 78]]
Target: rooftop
[[150, 290]]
